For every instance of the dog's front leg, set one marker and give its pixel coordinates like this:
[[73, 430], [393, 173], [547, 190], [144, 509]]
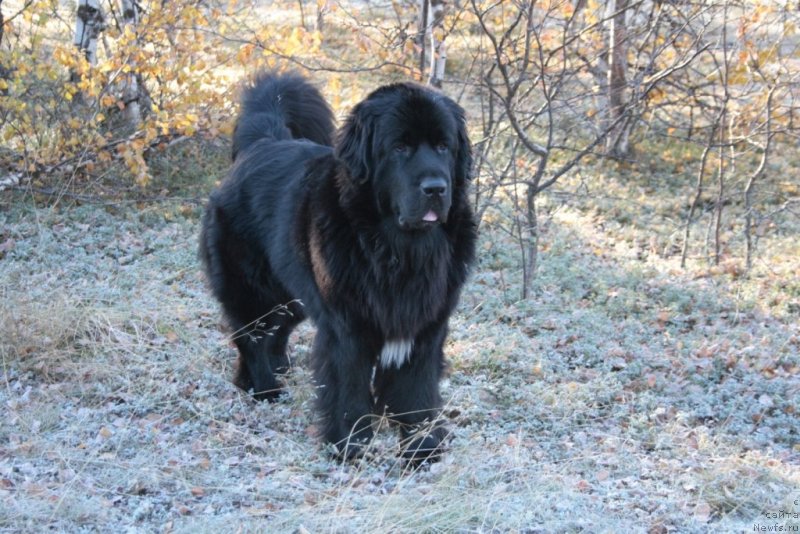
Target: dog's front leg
[[342, 362], [409, 394]]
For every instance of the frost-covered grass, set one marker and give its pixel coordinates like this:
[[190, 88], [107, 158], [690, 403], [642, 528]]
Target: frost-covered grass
[[626, 395]]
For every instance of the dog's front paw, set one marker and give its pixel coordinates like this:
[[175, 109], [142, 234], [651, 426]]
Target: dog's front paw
[[353, 446], [422, 444]]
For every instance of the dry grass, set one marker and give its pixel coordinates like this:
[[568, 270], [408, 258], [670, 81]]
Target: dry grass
[[625, 396]]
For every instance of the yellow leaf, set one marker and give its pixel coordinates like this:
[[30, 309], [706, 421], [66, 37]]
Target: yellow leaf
[[128, 34]]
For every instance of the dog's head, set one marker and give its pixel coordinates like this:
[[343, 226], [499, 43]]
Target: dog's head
[[408, 145]]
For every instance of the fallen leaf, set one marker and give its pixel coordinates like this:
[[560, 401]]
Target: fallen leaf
[[702, 512], [7, 246], [651, 381]]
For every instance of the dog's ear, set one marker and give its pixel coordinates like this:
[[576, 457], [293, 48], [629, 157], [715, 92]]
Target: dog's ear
[[463, 169], [354, 145]]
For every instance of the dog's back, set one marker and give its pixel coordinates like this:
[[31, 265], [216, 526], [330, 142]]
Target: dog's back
[[282, 106]]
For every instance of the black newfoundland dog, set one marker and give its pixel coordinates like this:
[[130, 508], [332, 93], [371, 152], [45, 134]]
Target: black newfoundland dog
[[368, 231]]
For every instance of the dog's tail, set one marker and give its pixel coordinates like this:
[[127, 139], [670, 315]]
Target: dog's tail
[[282, 106]]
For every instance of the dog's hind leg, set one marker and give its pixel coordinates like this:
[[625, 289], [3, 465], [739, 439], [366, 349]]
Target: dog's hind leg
[[258, 309], [261, 334]]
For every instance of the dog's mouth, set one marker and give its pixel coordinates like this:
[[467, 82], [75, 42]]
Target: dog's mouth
[[430, 219]]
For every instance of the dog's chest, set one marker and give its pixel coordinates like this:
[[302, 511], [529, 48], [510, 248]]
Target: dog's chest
[[410, 293], [395, 353]]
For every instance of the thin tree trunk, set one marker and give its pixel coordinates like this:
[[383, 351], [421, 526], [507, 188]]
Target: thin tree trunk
[[721, 173], [438, 52], [422, 34], [720, 198], [130, 90], [438, 61], [3, 71], [751, 183], [433, 58], [698, 191], [707, 245], [322, 11], [617, 140], [301, 4], [89, 23], [533, 241]]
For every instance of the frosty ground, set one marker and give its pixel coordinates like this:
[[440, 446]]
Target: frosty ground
[[625, 395]]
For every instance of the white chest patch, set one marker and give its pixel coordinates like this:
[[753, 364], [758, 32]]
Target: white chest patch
[[396, 352]]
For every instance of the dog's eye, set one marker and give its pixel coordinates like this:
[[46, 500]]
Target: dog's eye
[[442, 148], [402, 148]]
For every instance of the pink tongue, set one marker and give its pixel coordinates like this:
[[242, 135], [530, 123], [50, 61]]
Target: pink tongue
[[430, 217]]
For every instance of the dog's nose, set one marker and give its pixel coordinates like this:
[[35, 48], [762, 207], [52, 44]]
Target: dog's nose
[[433, 186]]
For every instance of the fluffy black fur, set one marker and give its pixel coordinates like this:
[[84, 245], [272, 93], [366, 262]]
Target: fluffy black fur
[[372, 238]]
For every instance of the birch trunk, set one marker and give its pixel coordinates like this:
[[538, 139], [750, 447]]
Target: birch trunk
[[430, 28], [130, 86], [89, 24]]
